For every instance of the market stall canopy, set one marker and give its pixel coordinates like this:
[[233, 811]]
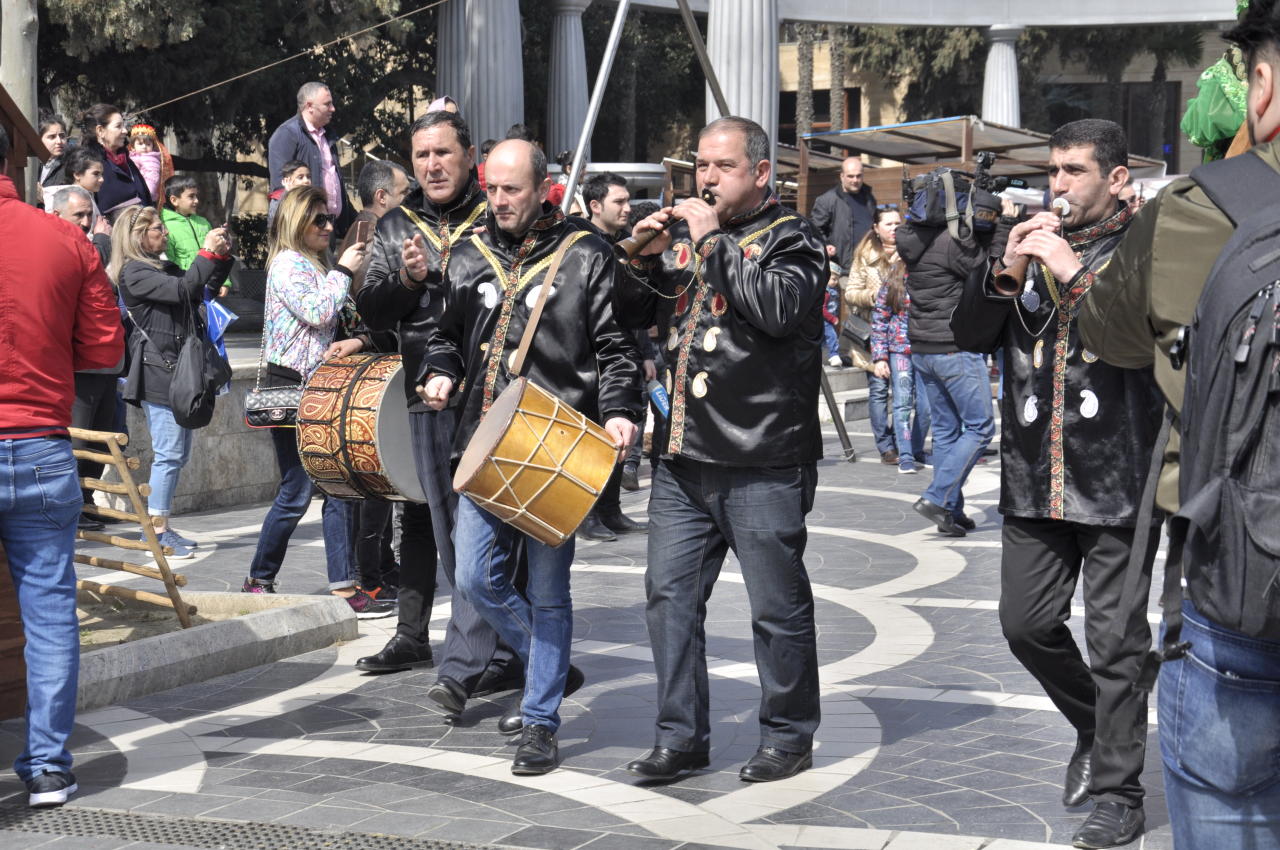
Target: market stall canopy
[[1021, 153]]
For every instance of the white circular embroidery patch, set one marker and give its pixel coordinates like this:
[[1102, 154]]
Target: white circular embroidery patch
[[489, 293], [1029, 410], [1088, 404]]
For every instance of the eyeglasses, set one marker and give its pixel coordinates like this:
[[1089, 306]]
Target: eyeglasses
[[323, 220]]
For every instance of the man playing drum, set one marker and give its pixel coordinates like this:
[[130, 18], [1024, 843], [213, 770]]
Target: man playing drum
[[579, 354], [736, 290], [403, 291]]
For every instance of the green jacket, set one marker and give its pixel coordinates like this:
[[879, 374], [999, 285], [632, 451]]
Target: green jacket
[[186, 236], [1150, 291]]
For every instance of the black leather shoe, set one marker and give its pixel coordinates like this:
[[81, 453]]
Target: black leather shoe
[[1075, 791], [448, 694], [512, 720], [630, 478], [88, 523], [593, 529], [939, 516], [620, 523], [1110, 825], [399, 654], [538, 753], [771, 763], [495, 680], [664, 764], [965, 522]]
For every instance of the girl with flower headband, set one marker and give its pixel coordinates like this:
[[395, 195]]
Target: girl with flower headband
[[151, 158]]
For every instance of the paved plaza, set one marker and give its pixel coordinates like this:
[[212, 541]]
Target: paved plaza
[[932, 734]]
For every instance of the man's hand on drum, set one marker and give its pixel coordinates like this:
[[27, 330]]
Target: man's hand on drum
[[344, 348], [436, 391], [623, 431]]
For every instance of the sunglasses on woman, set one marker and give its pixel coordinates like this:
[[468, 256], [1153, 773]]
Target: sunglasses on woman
[[323, 219]]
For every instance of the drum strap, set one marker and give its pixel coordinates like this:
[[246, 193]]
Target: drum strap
[[517, 365]]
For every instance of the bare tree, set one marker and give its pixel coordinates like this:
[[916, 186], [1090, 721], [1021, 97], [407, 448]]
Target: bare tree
[[804, 88], [836, 38]]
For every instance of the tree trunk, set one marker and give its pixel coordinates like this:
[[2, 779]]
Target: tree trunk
[[19, 28], [835, 33], [1159, 76], [804, 90]]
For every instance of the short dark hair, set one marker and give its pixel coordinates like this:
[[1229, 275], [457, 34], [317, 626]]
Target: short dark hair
[[1110, 145], [4, 143], [48, 119], [291, 166], [96, 116], [538, 160], [177, 184], [520, 131], [487, 145], [1257, 29], [757, 140], [376, 174], [642, 210], [81, 157], [596, 187], [443, 116]]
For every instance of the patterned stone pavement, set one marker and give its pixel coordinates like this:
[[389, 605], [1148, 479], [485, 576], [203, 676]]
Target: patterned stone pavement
[[932, 735]]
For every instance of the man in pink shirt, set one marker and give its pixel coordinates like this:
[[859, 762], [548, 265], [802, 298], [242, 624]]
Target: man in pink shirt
[[304, 137]]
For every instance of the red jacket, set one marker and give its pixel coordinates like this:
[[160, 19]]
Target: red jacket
[[57, 315]]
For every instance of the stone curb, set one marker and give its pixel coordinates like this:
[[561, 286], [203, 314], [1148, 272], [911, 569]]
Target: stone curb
[[278, 626]]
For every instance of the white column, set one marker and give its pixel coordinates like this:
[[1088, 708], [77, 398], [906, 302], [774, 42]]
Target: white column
[[451, 57], [495, 69], [742, 39], [1000, 80], [567, 78]]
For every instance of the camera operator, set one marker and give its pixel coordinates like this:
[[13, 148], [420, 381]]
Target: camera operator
[[939, 259], [1077, 437]]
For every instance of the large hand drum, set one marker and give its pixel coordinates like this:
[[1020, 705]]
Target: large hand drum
[[536, 463], [353, 430]]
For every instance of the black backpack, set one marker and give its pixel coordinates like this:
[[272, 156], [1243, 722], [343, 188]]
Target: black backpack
[[1229, 479]]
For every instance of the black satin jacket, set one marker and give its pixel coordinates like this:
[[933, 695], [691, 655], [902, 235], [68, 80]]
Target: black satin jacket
[[579, 352], [385, 303], [1077, 433], [739, 317]]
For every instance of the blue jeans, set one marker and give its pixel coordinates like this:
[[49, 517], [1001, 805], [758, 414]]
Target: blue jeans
[[292, 499], [878, 411], [1219, 719], [539, 628], [921, 422], [171, 444], [959, 393], [39, 502], [698, 512], [903, 378], [830, 340]]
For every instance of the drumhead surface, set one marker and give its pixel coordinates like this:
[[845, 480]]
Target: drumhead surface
[[492, 428], [395, 446]]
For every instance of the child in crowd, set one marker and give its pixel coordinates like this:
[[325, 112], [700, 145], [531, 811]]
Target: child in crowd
[[84, 165], [831, 317], [150, 157], [891, 354], [294, 174], [187, 229]]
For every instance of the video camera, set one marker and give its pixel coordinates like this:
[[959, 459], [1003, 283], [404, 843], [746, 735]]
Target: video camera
[[946, 196]]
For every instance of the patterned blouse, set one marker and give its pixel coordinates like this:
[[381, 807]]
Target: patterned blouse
[[889, 329], [303, 306]]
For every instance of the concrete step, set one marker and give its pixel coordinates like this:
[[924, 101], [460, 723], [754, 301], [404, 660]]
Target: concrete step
[[842, 379]]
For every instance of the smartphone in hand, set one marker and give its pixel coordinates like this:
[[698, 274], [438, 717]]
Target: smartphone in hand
[[364, 231]]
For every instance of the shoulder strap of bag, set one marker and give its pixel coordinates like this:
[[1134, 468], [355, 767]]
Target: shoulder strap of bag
[[1238, 186], [953, 212], [517, 365]]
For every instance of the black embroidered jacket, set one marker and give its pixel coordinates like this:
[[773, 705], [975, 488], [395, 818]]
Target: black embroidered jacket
[[1077, 433], [739, 317]]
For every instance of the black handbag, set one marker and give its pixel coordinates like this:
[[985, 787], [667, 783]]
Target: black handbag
[[857, 330], [270, 407], [196, 376]]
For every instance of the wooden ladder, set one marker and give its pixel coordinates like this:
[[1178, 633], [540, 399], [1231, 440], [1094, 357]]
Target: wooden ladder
[[115, 457]]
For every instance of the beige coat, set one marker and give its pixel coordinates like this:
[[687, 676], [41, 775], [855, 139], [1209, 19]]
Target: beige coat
[[860, 289]]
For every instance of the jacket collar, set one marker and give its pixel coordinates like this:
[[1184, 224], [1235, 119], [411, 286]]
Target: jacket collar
[[1113, 223], [457, 208], [770, 201], [548, 220]]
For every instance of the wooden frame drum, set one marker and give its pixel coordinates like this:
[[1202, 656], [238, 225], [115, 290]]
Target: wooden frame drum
[[536, 463], [353, 430]]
